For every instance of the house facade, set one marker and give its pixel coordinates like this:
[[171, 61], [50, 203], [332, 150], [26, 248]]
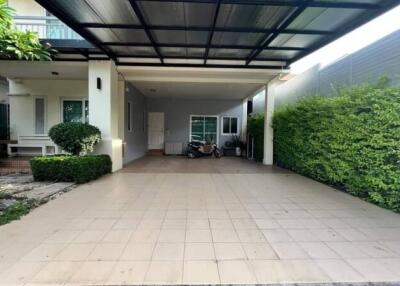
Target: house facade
[[153, 83]]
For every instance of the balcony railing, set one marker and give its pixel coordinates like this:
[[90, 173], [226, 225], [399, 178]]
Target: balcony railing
[[46, 27]]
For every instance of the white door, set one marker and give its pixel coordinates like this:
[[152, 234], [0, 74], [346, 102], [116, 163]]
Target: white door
[[156, 130]]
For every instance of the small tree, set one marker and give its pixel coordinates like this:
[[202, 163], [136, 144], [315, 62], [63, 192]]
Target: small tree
[[75, 137], [19, 45]]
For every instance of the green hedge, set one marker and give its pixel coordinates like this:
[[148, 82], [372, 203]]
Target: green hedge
[[351, 141], [69, 168]]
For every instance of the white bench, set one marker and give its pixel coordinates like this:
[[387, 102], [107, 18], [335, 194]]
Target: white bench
[[41, 142]]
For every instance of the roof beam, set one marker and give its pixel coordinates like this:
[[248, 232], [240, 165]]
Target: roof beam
[[211, 33], [268, 38], [200, 46], [142, 21], [293, 3], [205, 29], [202, 66]]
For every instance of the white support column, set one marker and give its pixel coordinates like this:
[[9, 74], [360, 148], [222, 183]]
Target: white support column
[[268, 131], [104, 107]]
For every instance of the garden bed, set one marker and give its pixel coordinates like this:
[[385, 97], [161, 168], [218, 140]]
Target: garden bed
[[19, 193]]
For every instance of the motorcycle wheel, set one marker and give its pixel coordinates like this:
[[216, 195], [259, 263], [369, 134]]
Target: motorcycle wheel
[[217, 153], [191, 155]]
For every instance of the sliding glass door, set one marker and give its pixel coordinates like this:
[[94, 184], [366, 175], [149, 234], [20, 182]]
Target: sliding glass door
[[204, 128]]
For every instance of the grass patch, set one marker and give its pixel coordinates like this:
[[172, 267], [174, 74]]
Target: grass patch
[[16, 211]]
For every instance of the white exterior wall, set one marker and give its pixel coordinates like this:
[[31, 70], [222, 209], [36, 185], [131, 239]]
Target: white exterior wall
[[22, 119], [27, 8]]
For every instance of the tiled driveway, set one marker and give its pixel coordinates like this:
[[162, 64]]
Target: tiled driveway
[[241, 223]]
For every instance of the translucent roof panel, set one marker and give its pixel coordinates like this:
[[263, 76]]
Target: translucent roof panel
[[242, 31], [175, 13], [180, 37]]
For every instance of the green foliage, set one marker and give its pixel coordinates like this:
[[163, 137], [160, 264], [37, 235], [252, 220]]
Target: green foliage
[[69, 168], [350, 141], [17, 44], [17, 210], [75, 137], [255, 126]]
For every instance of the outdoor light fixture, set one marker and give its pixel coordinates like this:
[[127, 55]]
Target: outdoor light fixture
[[55, 73], [98, 83]]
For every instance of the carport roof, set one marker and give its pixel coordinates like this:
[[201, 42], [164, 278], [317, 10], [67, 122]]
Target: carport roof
[[265, 34]]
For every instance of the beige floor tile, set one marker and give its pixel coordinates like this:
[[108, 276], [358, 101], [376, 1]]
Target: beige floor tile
[[239, 214], [55, 273], [168, 251], [306, 271], [145, 235], [289, 250], [199, 251], [164, 272], [90, 236], [257, 251], [78, 224], [236, 272], [250, 235], [347, 249], [63, 236], [172, 235], [302, 235], [102, 223], [276, 235], [75, 252], [197, 215], [128, 273], [176, 214], [229, 251], [244, 223], [373, 270], [200, 272], [118, 236], [267, 223], [126, 224], [197, 224], [92, 273], [44, 252], [174, 224], [218, 223], [318, 250], [224, 235], [138, 251], [198, 235], [20, 273], [271, 271], [107, 251], [339, 270]]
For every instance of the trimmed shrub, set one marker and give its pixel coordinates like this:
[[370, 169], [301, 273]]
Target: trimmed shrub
[[75, 137], [70, 168], [350, 141], [255, 127]]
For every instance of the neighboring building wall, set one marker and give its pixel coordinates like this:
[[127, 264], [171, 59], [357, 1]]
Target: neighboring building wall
[[136, 138], [382, 58], [177, 115], [22, 119]]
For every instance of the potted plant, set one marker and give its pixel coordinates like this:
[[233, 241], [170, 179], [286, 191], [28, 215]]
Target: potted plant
[[238, 144]]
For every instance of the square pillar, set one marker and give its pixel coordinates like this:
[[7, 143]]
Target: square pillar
[[104, 109], [268, 131]]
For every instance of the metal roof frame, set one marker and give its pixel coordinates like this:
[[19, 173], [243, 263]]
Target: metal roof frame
[[266, 41]]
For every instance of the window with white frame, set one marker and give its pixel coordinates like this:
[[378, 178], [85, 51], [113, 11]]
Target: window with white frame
[[40, 115], [75, 110], [230, 125]]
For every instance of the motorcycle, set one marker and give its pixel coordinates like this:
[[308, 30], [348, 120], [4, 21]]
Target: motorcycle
[[198, 148]]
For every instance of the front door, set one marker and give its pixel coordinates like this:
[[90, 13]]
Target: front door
[[156, 130]]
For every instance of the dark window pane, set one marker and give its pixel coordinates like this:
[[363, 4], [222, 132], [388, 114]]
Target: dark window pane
[[86, 111], [225, 125], [129, 116], [72, 111], [234, 125]]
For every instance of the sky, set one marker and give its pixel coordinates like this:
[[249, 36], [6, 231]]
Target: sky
[[351, 42]]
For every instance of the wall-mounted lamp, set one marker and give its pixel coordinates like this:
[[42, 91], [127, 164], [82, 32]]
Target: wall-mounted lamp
[[98, 83]]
